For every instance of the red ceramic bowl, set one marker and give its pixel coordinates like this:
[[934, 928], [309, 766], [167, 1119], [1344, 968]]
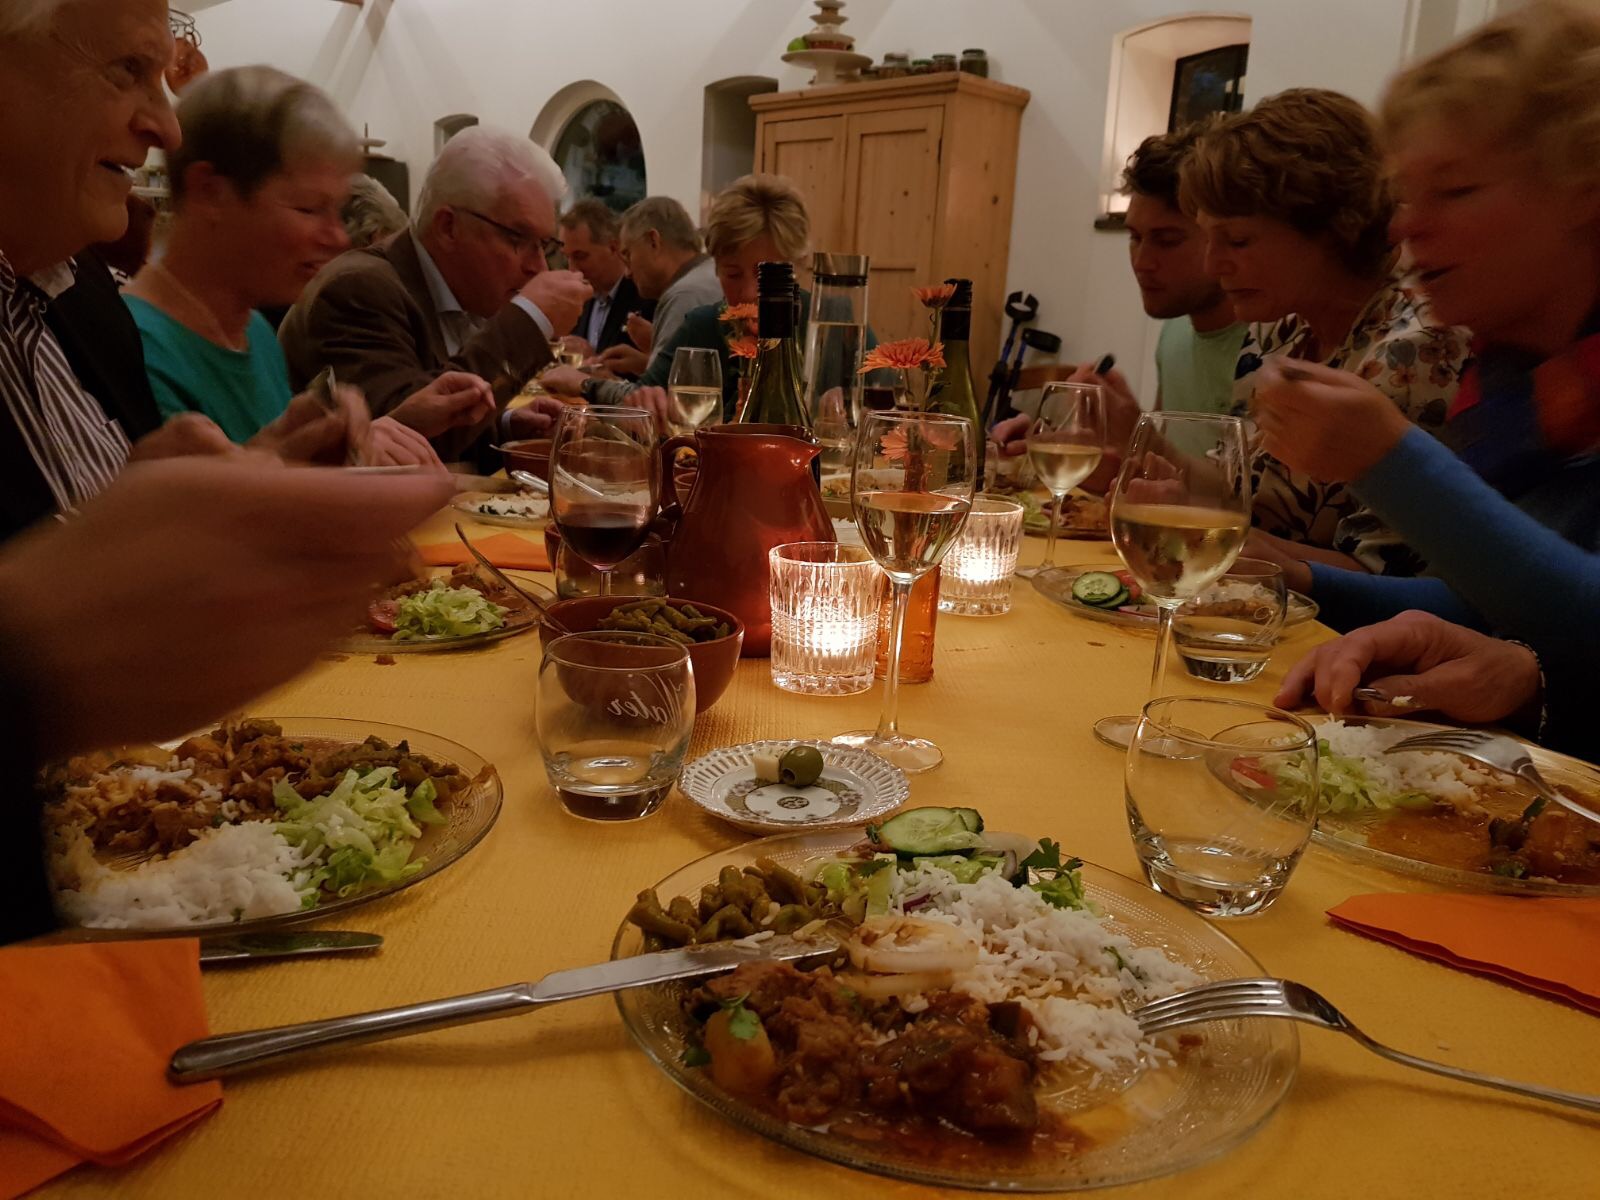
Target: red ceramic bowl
[[714, 662], [529, 454]]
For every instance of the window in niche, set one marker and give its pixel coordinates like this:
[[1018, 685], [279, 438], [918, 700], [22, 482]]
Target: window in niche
[[1207, 83], [601, 154]]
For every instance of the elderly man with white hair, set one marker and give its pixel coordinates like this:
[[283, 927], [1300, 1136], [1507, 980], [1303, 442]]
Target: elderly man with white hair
[[465, 289]]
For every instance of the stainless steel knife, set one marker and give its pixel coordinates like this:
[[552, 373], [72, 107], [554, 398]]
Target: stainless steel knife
[[261, 946], [228, 1054]]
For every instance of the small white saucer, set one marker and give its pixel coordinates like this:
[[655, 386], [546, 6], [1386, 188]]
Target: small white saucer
[[855, 787]]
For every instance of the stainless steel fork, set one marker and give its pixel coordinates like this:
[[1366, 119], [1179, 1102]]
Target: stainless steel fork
[[1281, 998], [1497, 751]]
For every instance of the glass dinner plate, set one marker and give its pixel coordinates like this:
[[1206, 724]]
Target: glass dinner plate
[[469, 502], [1346, 833], [520, 618], [1166, 1119], [1057, 586], [468, 819]]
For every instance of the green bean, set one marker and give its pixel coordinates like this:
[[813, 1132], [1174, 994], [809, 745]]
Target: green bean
[[647, 914], [791, 917]]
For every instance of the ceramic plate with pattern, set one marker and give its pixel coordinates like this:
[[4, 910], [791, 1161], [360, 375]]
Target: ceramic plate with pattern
[[855, 787]]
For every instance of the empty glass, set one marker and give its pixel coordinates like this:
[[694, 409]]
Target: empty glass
[[1213, 823], [1227, 632], [615, 711], [824, 617], [696, 386]]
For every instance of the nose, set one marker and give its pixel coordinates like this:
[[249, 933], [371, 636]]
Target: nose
[[156, 124], [334, 235], [533, 260], [1407, 225], [1216, 262]]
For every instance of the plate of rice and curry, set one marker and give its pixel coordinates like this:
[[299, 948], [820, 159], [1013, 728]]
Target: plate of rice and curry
[[973, 1029]]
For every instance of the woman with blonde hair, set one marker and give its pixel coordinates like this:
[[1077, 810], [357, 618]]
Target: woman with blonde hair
[[1295, 209], [1494, 148]]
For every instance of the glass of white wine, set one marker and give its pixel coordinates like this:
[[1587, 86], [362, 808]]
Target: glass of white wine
[[1180, 513], [696, 387], [1065, 443], [911, 487]]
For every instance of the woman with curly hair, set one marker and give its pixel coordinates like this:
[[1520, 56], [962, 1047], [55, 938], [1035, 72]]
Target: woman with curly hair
[[1295, 209]]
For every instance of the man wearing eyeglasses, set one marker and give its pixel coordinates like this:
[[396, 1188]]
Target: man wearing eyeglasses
[[466, 288]]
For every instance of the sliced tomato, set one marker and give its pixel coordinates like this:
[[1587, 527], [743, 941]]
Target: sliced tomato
[[381, 615], [1250, 771], [1135, 592]]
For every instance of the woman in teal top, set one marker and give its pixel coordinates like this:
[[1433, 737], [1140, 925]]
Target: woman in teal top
[[258, 186]]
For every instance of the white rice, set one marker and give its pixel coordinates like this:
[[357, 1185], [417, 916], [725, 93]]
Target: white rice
[[1062, 965], [233, 873], [1445, 776]]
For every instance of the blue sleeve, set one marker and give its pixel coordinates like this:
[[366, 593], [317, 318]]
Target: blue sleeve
[[1527, 581], [1351, 599]]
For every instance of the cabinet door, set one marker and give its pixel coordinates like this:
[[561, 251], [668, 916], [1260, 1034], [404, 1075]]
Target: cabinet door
[[810, 153], [891, 197]]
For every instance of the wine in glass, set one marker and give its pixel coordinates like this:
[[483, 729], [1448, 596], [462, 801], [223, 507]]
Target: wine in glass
[[604, 483], [1180, 513], [696, 387], [1065, 443], [910, 490]]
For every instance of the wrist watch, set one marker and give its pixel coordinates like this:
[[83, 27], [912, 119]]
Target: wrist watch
[[589, 389]]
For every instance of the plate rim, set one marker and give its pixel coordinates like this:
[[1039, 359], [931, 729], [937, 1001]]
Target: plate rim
[[901, 781], [465, 500], [1148, 624]]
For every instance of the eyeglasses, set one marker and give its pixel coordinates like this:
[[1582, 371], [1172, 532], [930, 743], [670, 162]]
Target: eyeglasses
[[516, 239]]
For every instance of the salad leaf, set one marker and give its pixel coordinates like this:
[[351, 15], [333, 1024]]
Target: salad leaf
[[1060, 880], [360, 834], [421, 804], [445, 612], [1344, 784]]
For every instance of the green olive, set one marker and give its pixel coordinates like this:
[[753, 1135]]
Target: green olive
[[800, 766]]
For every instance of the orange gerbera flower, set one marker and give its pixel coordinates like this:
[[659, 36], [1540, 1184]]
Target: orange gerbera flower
[[936, 295], [905, 355], [744, 347], [734, 313]]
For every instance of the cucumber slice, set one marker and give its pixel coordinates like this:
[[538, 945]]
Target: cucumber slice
[[922, 831], [1099, 589], [971, 818]]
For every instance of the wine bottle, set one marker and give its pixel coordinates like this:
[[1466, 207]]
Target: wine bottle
[[954, 395], [775, 388]]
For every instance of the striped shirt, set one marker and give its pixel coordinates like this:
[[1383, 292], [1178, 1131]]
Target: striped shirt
[[76, 448]]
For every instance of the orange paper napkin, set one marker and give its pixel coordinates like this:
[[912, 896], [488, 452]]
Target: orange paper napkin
[[85, 1035], [1550, 944], [503, 550]]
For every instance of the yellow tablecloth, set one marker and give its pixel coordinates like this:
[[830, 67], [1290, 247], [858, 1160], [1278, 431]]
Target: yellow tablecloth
[[560, 1103]]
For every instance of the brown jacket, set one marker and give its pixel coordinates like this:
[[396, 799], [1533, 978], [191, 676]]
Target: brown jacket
[[370, 317]]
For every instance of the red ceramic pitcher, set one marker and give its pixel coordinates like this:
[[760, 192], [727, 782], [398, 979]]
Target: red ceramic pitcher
[[753, 491]]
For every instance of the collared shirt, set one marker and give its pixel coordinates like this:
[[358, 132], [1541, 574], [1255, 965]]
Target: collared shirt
[[456, 323], [598, 312], [77, 449]]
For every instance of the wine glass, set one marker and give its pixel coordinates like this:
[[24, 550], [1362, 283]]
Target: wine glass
[[910, 491], [1180, 513], [1065, 443], [605, 483], [696, 387]]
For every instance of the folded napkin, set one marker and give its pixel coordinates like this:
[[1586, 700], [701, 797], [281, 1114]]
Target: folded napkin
[[1549, 944], [503, 550], [88, 1030]]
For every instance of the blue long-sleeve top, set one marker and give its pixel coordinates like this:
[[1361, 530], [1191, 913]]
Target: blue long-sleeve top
[[1520, 570]]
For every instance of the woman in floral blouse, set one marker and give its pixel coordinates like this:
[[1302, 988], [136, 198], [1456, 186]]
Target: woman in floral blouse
[[1293, 204]]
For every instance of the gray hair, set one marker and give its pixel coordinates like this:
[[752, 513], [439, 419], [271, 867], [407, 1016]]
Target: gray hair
[[477, 164], [667, 217], [249, 122], [372, 213]]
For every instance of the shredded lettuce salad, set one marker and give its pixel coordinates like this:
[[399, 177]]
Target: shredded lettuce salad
[[442, 611], [1347, 784], [358, 835]]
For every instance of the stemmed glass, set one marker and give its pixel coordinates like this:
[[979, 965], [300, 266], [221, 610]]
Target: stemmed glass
[[1180, 513], [605, 482], [910, 491], [696, 387], [1065, 443]]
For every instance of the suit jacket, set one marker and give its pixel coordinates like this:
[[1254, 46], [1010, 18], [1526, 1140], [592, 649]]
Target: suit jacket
[[615, 330], [102, 346], [369, 316]]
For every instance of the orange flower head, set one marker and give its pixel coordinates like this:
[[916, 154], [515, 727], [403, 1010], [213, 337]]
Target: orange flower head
[[744, 347], [934, 296], [734, 313], [905, 355]]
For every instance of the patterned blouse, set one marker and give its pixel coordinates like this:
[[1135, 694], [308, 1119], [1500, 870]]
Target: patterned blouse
[[1395, 345]]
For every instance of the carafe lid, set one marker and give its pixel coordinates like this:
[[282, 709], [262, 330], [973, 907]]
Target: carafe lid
[[840, 270]]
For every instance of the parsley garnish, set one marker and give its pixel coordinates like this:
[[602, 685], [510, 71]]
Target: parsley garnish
[[742, 1022], [695, 1056]]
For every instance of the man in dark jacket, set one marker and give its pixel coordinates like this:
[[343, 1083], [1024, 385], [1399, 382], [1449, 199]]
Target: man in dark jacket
[[591, 240]]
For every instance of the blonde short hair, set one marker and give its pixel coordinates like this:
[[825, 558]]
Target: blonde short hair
[[1307, 157], [1530, 79], [756, 205]]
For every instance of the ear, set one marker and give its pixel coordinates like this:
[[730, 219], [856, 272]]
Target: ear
[[443, 227], [205, 190]]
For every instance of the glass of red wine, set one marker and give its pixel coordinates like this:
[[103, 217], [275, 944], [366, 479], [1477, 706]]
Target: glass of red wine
[[605, 483]]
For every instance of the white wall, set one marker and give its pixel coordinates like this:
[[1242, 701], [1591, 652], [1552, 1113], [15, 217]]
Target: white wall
[[399, 65]]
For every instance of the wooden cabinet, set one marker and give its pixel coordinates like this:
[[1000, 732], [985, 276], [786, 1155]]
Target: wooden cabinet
[[918, 174]]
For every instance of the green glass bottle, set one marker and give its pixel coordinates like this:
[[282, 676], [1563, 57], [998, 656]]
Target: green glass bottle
[[776, 392], [954, 394]]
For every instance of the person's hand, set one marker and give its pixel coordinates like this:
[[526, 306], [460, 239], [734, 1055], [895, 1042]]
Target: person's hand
[[454, 400], [191, 586], [625, 360], [573, 344], [391, 444], [1011, 435], [182, 435], [563, 381], [1296, 571], [1122, 406], [1331, 425], [641, 332], [1437, 666], [653, 400], [307, 432], [560, 296], [536, 419]]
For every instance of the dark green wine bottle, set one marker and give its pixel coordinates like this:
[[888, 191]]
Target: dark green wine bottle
[[954, 395], [776, 393]]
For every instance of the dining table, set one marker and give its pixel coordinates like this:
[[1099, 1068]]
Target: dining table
[[561, 1103]]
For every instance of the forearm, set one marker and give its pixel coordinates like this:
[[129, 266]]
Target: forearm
[[1351, 599]]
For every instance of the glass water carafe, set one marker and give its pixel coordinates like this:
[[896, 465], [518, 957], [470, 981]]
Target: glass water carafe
[[836, 336]]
